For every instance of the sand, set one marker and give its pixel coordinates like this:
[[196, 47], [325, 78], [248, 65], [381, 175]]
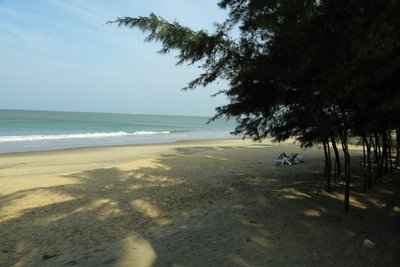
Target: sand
[[192, 203]]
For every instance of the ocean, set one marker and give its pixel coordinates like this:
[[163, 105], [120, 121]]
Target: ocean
[[22, 131]]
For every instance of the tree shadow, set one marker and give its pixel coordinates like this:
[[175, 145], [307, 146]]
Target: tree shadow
[[202, 207]]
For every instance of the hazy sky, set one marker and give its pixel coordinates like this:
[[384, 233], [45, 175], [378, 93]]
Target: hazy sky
[[59, 55]]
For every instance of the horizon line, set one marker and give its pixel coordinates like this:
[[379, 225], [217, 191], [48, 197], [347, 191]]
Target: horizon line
[[103, 112]]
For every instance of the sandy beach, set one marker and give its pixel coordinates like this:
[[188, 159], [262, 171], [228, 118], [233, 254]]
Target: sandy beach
[[190, 203]]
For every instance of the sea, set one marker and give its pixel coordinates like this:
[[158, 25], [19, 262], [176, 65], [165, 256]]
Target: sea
[[23, 130]]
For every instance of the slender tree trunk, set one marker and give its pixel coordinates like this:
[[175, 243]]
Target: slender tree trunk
[[379, 166], [338, 168], [368, 161], [384, 160], [390, 150], [326, 159], [328, 164], [364, 164], [364, 152], [373, 143], [347, 159], [397, 147]]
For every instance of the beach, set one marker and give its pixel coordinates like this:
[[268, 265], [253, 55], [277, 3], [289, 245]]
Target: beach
[[189, 203]]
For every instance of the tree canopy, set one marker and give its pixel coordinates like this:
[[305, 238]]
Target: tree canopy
[[320, 71]]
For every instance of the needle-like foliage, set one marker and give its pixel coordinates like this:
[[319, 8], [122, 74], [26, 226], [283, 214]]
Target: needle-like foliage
[[319, 71]]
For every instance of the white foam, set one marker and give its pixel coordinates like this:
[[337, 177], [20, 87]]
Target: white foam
[[22, 138]]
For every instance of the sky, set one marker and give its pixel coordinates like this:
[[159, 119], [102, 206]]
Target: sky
[[59, 55]]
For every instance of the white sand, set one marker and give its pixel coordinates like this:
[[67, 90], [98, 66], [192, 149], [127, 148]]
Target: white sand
[[198, 203]]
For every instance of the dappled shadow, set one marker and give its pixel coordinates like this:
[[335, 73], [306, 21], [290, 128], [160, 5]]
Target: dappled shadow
[[202, 206]]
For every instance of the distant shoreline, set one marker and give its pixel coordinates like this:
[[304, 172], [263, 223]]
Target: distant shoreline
[[105, 113], [24, 131], [98, 148]]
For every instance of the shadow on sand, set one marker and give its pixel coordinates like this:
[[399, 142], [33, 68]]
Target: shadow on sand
[[204, 206]]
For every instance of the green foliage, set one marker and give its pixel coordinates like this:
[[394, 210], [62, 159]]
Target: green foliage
[[214, 51], [309, 69], [314, 70]]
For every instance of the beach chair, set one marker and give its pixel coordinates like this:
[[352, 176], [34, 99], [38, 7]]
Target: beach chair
[[292, 159], [299, 159], [282, 161]]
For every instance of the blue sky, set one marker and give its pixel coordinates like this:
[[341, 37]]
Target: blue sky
[[60, 55]]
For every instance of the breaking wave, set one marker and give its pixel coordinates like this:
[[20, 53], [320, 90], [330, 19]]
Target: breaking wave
[[22, 138]]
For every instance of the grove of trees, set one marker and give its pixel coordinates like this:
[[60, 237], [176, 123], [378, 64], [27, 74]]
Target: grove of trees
[[321, 71]]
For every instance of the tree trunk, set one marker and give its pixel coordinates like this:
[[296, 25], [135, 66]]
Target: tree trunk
[[384, 160], [373, 143], [389, 135], [338, 167], [369, 168], [397, 147], [347, 158], [379, 165], [328, 164], [364, 164]]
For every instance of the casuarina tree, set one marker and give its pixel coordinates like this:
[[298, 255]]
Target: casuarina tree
[[319, 71]]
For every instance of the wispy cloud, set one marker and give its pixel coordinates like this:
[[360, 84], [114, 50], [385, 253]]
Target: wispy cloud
[[60, 44], [74, 8]]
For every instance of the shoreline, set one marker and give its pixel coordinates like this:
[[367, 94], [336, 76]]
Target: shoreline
[[175, 142], [44, 131], [5, 154]]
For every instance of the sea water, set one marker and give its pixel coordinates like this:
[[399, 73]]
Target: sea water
[[22, 130]]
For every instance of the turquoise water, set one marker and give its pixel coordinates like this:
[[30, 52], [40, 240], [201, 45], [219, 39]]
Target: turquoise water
[[22, 131]]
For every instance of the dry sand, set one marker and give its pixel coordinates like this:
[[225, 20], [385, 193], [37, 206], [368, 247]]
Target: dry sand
[[198, 203]]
